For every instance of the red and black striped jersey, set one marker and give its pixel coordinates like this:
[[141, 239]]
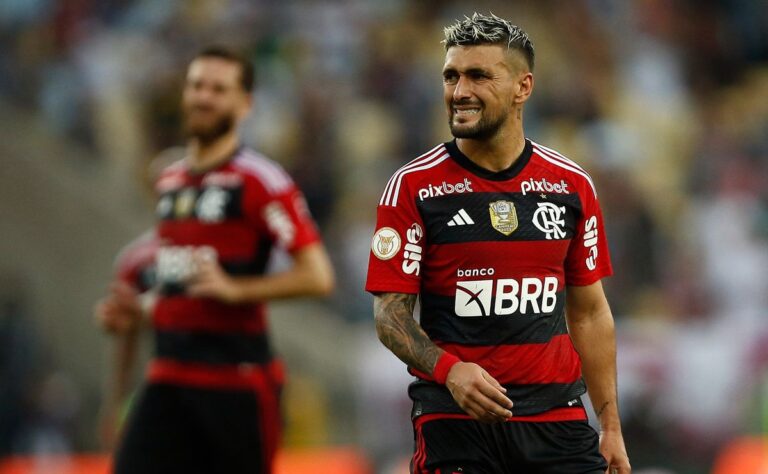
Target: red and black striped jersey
[[490, 255], [235, 213]]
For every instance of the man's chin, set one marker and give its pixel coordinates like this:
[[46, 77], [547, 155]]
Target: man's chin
[[207, 133], [464, 131]]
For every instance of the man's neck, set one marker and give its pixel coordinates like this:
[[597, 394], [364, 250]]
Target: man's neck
[[203, 156], [497, 153]]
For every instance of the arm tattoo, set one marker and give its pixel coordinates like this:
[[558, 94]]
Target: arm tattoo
[[601, 409], [401, 334]]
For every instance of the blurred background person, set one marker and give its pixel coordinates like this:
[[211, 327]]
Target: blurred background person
[[211, 403], [664, 101]]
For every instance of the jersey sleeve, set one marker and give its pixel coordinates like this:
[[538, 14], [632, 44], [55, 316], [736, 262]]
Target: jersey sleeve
[[588, 259], [134, 261], [282, 213], [394, 262]]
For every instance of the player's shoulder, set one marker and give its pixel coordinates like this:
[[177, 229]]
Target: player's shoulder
[[562, 166], [171, 176], [418, 168], [263, 170]]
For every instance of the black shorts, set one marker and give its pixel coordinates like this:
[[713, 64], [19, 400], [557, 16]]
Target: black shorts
[[174, 429], [462, 445]]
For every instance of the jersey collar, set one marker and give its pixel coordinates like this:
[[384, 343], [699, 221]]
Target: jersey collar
[[462, 160], [222, 162]]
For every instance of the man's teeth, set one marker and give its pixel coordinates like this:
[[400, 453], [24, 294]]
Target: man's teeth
[[467, 111]]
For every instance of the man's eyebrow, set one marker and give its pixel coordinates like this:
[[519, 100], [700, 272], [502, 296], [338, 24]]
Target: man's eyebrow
[[470, 70], [477, 70]]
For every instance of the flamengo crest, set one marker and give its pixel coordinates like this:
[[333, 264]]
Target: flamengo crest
[[503, 216], [550, 219]]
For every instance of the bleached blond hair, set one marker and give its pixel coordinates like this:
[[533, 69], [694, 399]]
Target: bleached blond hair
[[489, 29]]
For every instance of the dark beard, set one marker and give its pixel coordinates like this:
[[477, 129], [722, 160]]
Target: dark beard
[[483, 130], [208, 135]]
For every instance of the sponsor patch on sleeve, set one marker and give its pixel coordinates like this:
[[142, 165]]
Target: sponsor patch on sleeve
[[386, 243]]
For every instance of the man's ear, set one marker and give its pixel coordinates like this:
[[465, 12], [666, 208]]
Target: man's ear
[[524, 87]]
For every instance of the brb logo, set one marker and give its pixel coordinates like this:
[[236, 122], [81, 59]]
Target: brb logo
[[505, 296], [590, 241], [412, 251], [177, 264], [444, 189]]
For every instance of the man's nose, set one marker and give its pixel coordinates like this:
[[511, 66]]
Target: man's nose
[[462, 90]]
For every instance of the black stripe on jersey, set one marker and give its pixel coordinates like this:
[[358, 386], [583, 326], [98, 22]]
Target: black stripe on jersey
[[446, 225], [208, 204], [212, 348], [439, 321], [430, 397]]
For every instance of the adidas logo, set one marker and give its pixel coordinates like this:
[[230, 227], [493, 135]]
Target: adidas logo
[[460, 218]]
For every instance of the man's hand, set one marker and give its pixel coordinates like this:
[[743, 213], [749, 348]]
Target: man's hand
[[120, 311], [477, 393], [211, 281], [613, 450]]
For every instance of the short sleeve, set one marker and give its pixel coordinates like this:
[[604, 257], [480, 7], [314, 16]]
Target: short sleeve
[[588, 260], [134, 263], [394, 262], [282, 214]]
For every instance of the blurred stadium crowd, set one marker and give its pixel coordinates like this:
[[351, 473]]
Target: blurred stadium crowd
[[665, 102]]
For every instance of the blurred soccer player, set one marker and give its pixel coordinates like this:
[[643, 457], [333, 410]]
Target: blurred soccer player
[[211, 399], [502, 241]]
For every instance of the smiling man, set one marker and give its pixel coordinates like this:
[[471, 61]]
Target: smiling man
[[501, 239]]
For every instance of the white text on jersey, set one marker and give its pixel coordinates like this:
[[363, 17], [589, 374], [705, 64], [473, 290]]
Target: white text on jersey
[[505, 296], [445, 188], [590, 241], [543, 186], [412, 251]]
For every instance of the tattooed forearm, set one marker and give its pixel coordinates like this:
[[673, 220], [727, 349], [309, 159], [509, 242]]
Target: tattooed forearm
[[600, 410], [401, 333]]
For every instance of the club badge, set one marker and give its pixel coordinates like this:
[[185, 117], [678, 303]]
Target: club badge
[[503, 216]]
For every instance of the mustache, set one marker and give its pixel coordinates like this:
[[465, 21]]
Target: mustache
[[460, 102]]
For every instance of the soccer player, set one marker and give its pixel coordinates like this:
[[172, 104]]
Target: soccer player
[[210, 404], [501, 240]]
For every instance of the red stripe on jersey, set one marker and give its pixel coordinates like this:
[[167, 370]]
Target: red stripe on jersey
[[232, 239], [236, 377], [553, 362], [555, 414], [180, 313]]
